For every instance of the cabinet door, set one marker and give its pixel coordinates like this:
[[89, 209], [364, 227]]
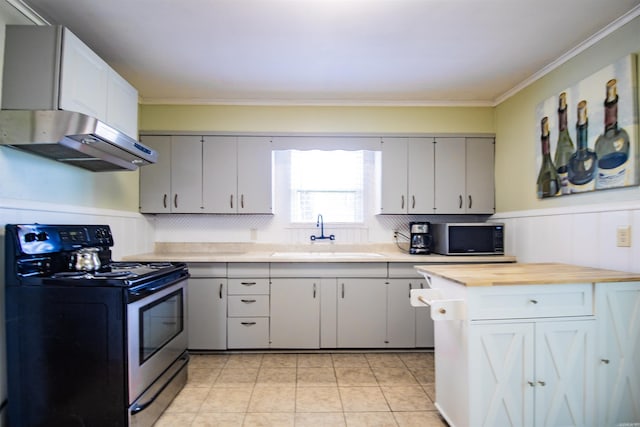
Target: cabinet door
[[122, 105], [393, 186], [420, 196], [186, 174], [564, 373], [254, 175], [83, 78], [618, 354], [450, 176], [207, 313], [155, 179], [219, 174], [501, 375], [401, 316], [480, 176], [295, 313], [362, 313], [424, 322]]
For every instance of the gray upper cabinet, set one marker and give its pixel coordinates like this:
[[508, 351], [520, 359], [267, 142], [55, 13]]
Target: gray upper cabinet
[[237, 175], [174, 183], [407, 181], [49, 68], [464, 176]]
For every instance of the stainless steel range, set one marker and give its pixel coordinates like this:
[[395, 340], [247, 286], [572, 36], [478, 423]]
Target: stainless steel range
[[90, 342]]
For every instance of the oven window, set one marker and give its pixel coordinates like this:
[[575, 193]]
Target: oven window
[[160, 322]]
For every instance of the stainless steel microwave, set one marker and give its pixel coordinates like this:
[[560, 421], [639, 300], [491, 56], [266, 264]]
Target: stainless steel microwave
[[480, 238]]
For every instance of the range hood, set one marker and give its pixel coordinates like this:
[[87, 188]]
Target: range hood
[[73, 138]]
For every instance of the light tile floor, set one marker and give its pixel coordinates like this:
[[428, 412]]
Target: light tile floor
[[319, 389]]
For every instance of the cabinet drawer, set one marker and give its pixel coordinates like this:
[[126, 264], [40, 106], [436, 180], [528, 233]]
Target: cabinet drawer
[[248, 269], [530, 301], [248, 332], [248, 305], [207, 269], [248, 286]]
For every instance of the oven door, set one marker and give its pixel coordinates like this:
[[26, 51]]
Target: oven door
[[157, 334]]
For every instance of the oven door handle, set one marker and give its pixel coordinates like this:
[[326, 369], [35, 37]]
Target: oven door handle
[[144, 405], [137, 294]]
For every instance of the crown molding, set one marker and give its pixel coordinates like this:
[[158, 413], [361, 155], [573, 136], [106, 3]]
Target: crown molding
[[614, 26]]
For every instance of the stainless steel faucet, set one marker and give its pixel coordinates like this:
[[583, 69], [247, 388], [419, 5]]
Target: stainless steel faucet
[[320, 223]]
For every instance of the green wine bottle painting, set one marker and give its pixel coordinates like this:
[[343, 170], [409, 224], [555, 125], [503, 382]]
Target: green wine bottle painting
[[587, 135]]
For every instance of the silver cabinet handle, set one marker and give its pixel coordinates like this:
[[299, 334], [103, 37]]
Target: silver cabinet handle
[[314, 291], [175, 200], [402, 203], [470, 202], [248, 301], [220, 292], [342, 290], [248, 283], [542, 383], [531, 383], [164, 201], [231, 201], [460, 201], [409, 290], [413, 202], [533, 301], [248, 323], [242, 201], [604, 361]]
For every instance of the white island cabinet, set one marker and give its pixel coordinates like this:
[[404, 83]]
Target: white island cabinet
[[534, 344]]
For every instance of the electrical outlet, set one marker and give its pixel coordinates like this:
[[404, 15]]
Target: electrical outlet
[[623, 236]]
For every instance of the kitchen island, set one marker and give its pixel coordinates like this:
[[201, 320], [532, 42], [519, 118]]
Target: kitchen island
[[534, 344]]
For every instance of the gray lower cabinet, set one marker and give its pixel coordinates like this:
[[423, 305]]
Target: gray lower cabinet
[[207, 306], [305, 306], [295, 313], [248, 313], [362, 313], [401, 316]]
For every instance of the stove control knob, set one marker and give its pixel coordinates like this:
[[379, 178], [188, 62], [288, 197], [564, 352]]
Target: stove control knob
[[42, 236], [30, 237]]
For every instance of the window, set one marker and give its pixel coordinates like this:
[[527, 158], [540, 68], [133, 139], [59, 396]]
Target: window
[[330, 183]]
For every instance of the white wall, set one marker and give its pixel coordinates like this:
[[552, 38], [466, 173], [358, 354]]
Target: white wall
[[584, 235]]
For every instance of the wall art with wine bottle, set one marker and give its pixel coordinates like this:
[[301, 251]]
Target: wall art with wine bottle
[[587, 135]]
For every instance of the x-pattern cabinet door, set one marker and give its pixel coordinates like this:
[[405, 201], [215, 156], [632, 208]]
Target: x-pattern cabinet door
[[618, 353], [532, 374], [500, 369], [564, 373]]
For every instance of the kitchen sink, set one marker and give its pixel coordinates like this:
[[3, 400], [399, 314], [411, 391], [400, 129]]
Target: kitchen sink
[[327, 255]]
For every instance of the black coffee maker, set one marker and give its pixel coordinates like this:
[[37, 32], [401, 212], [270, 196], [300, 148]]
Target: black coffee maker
[[420, 238]]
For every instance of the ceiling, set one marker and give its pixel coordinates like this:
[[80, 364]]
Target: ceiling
[[334, 52]]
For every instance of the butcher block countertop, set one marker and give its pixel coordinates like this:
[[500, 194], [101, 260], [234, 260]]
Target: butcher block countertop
[[524, 274]]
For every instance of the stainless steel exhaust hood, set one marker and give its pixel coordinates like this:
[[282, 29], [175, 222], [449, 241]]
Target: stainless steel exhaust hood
[[73, 138]]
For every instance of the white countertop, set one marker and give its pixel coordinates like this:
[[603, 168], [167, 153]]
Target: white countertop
[[310, 253]]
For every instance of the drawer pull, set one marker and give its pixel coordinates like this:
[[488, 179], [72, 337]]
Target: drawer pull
[[248, 323], [533, 301], [442, 311], [542, 383], [248, 283], [531, 383], [604, 361], [248, 301]]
